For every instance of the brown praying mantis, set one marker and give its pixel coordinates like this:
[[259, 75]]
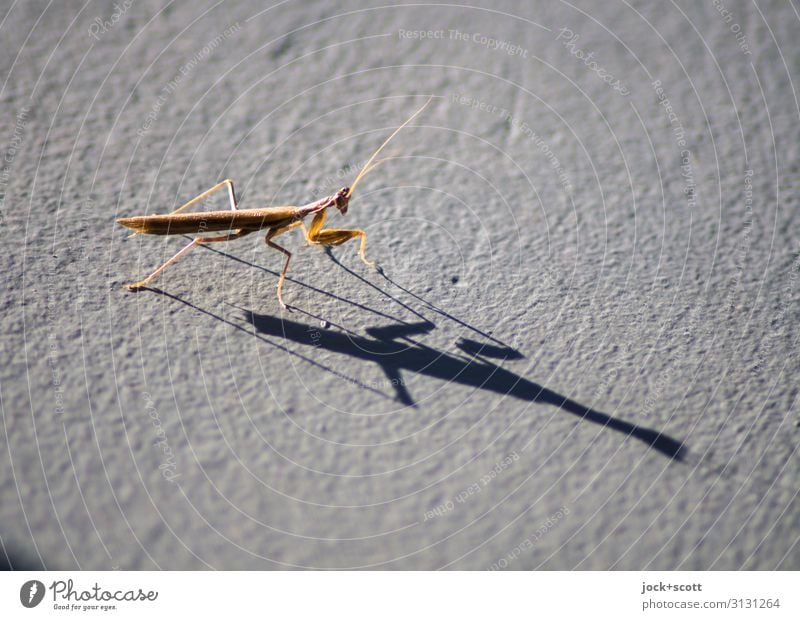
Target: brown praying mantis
[[242, 222]]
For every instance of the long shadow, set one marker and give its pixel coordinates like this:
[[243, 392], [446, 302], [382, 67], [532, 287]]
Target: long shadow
[[392, 348]]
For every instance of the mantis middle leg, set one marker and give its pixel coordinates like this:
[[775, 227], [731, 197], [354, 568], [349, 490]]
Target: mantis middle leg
[[274, 232]]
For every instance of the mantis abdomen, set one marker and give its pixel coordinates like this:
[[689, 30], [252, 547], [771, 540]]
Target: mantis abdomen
[[209, 221]]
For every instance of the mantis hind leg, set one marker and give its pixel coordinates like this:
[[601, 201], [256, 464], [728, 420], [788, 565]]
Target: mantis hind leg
[[274, 232], [231, 196], [193, 243]]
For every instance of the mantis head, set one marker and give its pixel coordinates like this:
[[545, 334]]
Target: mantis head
[[341, 199]]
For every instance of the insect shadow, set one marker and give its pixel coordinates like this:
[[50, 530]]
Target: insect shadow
[[390, 347], [393, 350]]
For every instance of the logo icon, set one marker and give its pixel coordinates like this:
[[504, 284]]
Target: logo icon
[[31, 593]]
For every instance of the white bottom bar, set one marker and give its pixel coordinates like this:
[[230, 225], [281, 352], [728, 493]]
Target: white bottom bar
[[401, 595]]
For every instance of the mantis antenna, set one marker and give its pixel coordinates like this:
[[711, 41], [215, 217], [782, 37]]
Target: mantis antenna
[[367, 166]]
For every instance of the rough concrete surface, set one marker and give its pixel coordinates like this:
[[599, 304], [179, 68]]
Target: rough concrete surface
[[580, 352]]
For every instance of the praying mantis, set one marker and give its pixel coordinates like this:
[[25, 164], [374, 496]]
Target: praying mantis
[[241, 222]]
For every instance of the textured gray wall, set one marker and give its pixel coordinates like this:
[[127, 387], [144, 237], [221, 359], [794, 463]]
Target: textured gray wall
[[582, 352]]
